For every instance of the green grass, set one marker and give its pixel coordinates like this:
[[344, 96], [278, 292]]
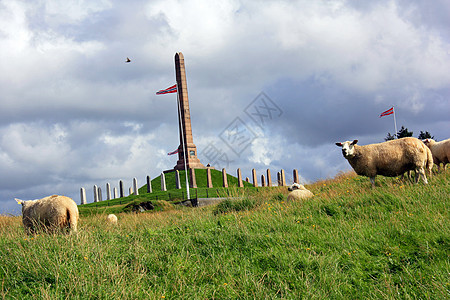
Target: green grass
[[348, 242]]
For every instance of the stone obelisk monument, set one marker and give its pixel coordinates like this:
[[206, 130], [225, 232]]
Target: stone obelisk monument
[[192, 162]]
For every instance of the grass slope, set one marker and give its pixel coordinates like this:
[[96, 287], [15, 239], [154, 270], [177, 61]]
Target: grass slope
[[348, 242]]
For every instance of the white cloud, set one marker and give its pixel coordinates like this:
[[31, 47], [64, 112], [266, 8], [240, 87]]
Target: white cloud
[[72, 12]]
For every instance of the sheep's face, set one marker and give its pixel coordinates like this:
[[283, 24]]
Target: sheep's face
[[429, 142], [348, 149], [296, 186]]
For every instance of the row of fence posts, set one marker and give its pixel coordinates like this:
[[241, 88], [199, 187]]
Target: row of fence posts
[[266, 181]]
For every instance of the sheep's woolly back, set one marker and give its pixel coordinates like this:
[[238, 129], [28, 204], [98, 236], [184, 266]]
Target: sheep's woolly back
[[299, 194], [51, 212], [111, 219], [440, 151]]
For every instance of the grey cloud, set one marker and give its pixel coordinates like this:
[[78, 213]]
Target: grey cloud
[[332, 68]]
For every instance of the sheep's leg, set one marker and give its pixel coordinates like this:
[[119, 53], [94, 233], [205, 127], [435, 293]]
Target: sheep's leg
[[372, 181]]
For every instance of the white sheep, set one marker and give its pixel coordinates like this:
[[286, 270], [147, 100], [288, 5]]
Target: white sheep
[[391, 158], [440, 151], [112, 219], [49, 213], [298, 192]]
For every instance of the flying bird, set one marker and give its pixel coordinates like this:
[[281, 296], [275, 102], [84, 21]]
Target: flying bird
[[128, 60]]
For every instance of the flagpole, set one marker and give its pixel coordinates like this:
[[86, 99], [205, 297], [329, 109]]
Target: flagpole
[[395, 122], [183, 143]]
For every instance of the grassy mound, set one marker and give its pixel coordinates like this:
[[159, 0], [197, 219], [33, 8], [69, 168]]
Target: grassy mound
[[172, 195]]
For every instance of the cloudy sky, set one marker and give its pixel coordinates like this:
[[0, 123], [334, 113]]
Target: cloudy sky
[[296, 76]]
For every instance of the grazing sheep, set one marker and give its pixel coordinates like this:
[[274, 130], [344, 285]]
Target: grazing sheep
[[298, 192], [440, 151], [49, 213], [391, 158], [112, 219]]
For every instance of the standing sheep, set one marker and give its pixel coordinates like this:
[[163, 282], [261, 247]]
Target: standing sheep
[[49, 213], [440, 151], [391, 158], [298, 192]]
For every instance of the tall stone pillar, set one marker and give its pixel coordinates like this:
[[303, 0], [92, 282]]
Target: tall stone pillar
[[192, 179], [269, 179], [121, 193], [177, 180], [224, 178], [239, 175], [108, 191], [263, 180], [283, 178], [95, 193], [209, 183], [163, 182], [255, 180], [296, 176], [135, 186], [83, 195], [149, 185], [185, 122]]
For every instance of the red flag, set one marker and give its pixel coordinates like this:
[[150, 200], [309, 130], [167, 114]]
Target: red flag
[[390, 111], [172, 89], [173, 152]]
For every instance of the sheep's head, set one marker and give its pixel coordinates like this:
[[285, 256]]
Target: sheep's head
[[348, 149], [25, 203], [22, 202], [429, 142], [296, 186]]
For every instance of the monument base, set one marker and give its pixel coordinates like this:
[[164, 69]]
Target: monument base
[[193, 163]]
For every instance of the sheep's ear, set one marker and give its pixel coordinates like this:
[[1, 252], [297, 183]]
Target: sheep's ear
[[339, 144], [19, 201], [354, 142]]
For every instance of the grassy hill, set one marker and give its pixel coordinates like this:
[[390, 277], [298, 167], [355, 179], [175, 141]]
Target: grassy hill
[[348, 242], [163, 199]]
